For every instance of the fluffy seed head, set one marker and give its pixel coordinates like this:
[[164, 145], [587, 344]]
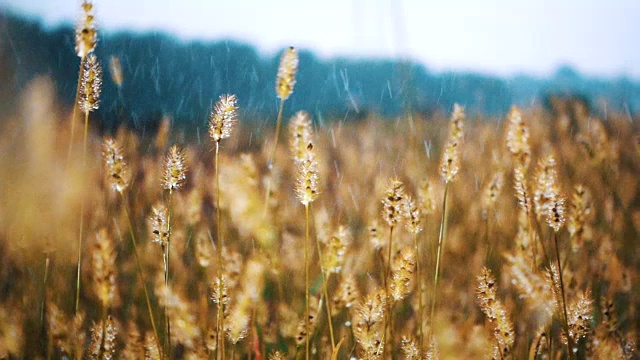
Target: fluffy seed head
[[580, 211], [545, 189], [518, 138], [116, 168], [410, 348], [237, 326], [116, 70], [103, 261], [223, 117], [175, 169], [90, 84], [555, 213], [219, 292], [412, 215], [580, 315], [495, 311], [307, 180], [103, 340], [368, 327], [491, 192], [403, 274], [392, 202], [522, 191], [286, 78], [300, 131], [151, 351], [86, 33], [347, 292], [450, 163], [159, 224]]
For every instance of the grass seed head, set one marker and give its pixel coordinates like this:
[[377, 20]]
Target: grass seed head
[[301, 132], [175, 169], [518, 138], [223, 117], [159, 224], [86, 33], [450, 163], [286, 78], [103, 260], [307, 179], [117, 170], [116, 70], [392, 203], [90, 84]]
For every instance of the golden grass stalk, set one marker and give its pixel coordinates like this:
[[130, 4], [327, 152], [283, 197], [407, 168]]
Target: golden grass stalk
[[103, 339], [496, 312], [103, 262], [368, 327], [89, 91], [392, 213], [86, 38], [119, 177], [489, 199], [174, 178], [449, 167], [307, 191], [223, 118], [413, 222], [285, 82], [555, 219], [304, 157]]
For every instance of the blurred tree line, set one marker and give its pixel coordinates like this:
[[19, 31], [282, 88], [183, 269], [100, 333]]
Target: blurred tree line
[[164, 76]]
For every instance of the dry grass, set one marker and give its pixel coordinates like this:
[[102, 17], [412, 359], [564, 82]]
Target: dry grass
[[595, 165], [468, 220]]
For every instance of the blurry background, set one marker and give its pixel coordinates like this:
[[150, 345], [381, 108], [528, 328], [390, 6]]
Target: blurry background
[[357, 56]]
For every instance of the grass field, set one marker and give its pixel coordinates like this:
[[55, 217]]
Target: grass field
[[447, 236]]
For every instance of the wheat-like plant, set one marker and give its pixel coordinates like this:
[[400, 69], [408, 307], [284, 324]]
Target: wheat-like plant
[[449, 167], [223, 118], [285, 82]]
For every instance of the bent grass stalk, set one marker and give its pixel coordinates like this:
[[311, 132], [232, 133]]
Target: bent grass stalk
[[167, 249], [325, 280], [389, 322], [74, 112], [306, 281], [441, 239], [564, 301], [220, 319], [140, 273], [419, 277]]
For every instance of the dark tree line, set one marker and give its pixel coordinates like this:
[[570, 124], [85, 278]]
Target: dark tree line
[[165, 76]]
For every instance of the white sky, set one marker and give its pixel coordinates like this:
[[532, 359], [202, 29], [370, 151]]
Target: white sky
[[598, 37]]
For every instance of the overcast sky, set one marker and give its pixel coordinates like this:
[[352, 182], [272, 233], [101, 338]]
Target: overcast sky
[[505, 37]]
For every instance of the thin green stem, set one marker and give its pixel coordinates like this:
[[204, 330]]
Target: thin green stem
[[220, 318], [84, 164], [419, 276], [167, 259], [441, 238], [325, 280], [75, 110], [564, 300], [306, 282], [388, 324], [275, 142], [140, 273]]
